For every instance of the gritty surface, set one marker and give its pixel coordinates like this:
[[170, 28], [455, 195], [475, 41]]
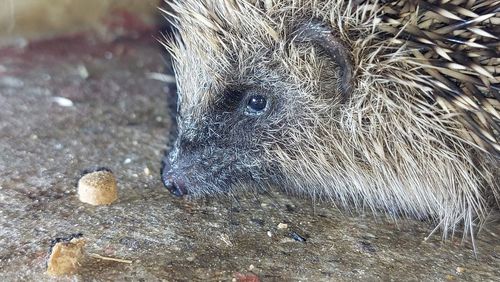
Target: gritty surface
[[118, 116]]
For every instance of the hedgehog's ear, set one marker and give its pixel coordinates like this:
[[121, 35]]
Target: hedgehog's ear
[[318, 34]]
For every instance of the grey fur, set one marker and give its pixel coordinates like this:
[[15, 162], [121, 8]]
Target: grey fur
[[364, 108]]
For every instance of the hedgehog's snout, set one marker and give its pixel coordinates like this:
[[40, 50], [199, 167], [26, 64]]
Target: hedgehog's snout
[[173, 180]]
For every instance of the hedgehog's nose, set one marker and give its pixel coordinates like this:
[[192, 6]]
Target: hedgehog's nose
[[175, 185], [173, 181]]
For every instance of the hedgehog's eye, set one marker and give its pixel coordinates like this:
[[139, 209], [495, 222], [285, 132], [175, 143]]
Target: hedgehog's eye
[[256, 104]]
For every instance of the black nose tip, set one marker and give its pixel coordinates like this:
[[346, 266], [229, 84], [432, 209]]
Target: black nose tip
[[173, 182], [175, 185]]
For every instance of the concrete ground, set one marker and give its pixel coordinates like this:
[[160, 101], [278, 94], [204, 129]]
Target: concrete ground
[[118, 116]]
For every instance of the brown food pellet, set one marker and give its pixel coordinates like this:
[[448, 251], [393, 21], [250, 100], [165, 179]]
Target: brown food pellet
[[98, 188], [65, 257]]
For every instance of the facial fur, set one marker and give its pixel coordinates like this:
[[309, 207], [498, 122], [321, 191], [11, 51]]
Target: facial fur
[[354, 113]]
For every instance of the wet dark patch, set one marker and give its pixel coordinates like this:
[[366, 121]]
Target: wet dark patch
[[366, 247], [297, 237]]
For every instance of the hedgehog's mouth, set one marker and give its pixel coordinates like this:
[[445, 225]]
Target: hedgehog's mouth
[[196, 176]]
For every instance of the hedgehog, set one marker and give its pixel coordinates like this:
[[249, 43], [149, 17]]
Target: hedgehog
[[385, 106]]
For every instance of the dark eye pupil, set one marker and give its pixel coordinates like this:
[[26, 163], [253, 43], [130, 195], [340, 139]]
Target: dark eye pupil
[[257, 103]]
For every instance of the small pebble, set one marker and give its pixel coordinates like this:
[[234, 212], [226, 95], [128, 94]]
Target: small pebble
[[98, 188], [82, 71], [282, 226], [269, 234], [161, 77], [225, 239], [63, 102], [460, 269]]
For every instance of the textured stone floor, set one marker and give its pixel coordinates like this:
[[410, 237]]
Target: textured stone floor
[[119, 117]]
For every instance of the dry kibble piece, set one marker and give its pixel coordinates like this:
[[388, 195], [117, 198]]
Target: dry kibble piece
[[282, 226], [98, 188], [66, 255]]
